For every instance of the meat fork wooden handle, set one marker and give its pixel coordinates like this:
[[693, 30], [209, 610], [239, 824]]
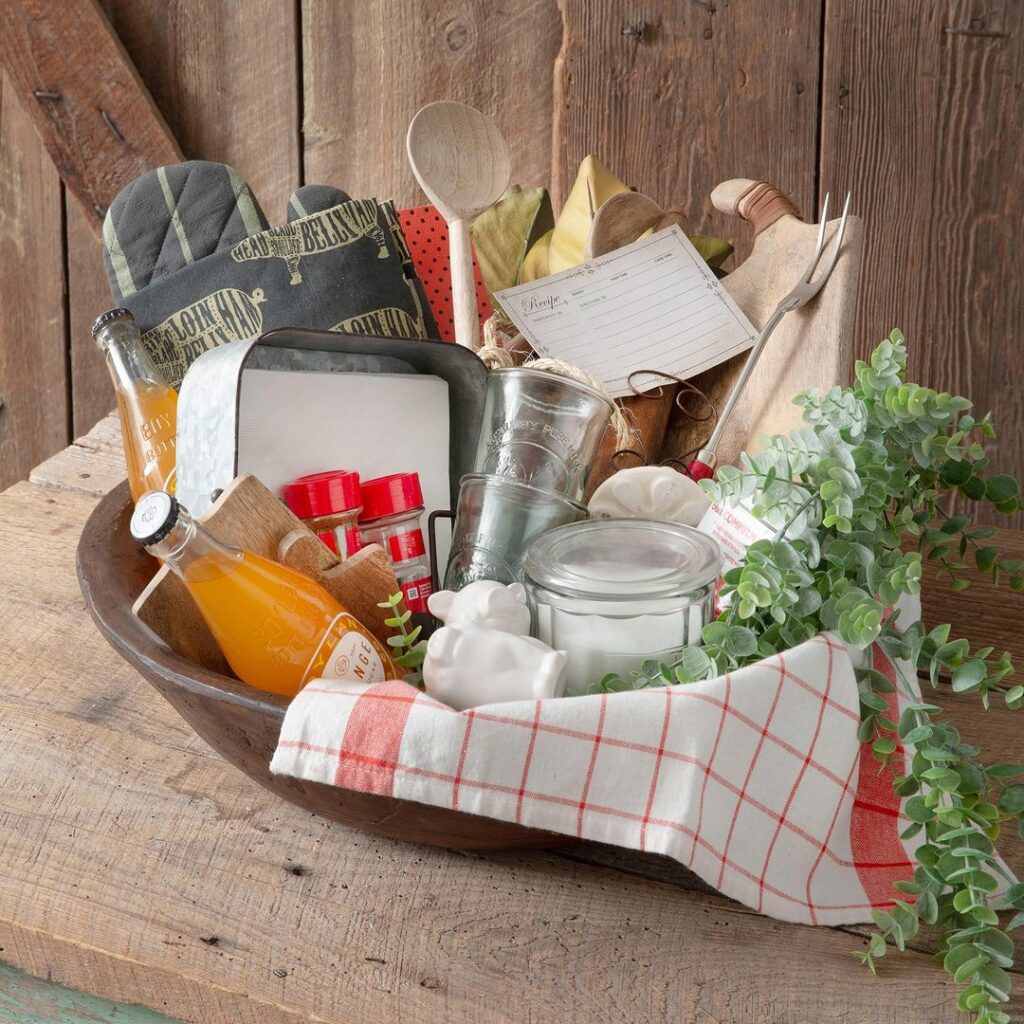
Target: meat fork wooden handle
[[759, 202]]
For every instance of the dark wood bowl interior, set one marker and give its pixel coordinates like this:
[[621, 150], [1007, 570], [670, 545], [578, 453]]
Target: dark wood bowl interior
[[239, 722]]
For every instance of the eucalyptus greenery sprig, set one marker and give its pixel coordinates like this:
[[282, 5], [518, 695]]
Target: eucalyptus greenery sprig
[[858, 500], [407, 650]]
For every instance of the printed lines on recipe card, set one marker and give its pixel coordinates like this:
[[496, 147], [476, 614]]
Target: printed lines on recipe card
[[652, 305]]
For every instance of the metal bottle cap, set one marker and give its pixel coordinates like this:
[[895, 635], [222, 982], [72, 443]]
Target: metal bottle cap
[[154, 517], [109, 317]]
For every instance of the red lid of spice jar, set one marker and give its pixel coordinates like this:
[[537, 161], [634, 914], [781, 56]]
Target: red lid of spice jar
[[390, 495], [322, 494]]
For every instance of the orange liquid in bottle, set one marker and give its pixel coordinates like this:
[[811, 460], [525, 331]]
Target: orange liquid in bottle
[[149, 414], [278, 628]]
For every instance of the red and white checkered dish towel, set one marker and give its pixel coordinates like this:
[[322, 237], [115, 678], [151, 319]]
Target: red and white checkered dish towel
[[754, 780]]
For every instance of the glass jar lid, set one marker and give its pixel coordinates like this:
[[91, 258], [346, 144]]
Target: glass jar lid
[[623, 558]]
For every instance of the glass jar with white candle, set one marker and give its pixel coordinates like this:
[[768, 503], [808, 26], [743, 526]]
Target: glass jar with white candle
[[612, 593]]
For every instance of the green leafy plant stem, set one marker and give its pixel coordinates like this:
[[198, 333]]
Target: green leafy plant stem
[[407, 650]]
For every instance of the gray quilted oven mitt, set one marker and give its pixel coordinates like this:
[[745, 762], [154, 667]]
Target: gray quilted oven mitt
[[189, 252]]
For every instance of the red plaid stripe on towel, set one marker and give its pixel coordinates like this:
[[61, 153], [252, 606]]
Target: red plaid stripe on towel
[[755, 780]]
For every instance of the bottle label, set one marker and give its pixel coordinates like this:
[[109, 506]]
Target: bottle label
[[405, 546], [346, 653], [735, 529], [416, 593]]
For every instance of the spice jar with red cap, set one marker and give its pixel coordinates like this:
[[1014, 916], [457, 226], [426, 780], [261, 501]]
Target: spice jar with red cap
[[329, 504], [392, 506]]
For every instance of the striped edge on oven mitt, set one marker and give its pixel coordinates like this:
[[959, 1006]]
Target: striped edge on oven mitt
[[755, 780], [188, 250]]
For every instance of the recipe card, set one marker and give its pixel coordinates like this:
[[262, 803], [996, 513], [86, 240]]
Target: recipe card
[[654, 305]]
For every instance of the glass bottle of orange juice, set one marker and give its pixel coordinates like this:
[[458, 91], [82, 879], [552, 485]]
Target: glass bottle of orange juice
[[147, 404], [277, 627]]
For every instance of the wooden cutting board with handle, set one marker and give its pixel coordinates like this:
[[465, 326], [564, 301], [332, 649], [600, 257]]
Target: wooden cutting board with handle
[[811, 348]]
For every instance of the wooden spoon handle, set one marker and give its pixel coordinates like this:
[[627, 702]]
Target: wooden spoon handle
[[467, 323]]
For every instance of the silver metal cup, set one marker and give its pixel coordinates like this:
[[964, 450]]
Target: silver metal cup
[[541, 429], [495, 522]]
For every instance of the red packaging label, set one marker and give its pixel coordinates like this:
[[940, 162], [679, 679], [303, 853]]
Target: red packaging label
[[416, 593], [353, 541], [404, 546], [327, 536]]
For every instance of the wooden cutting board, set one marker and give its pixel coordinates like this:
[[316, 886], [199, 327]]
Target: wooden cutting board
[[811, 348]]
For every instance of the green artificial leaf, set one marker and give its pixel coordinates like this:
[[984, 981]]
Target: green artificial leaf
[[1012, 799], [969, 675], [928, 907], [884, 746], [956, 473], [971, 998], [998, 945], [996, 982], [958, 956], [917, 809], [873, 701], [969, 968], [974, 488], [954, 524], [985, 558], [1001, 488]]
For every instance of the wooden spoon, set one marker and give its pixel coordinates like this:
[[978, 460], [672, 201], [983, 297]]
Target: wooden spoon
[[461, 161], [623, 219]]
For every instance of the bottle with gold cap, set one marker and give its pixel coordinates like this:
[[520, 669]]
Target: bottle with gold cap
[[277, 628], [146, 403]]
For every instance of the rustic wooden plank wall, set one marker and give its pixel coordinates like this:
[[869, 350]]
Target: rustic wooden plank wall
[[33, 370], [916, 106]]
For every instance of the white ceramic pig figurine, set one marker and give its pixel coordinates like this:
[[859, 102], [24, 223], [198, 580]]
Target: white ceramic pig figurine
[[486, 603], [650, 492], [469, 664]]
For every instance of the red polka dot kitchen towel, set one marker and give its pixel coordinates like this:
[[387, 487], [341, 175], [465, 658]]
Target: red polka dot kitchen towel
[[426, 235], [755, 780]]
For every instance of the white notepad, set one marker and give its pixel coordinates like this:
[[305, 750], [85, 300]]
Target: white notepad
[[652, 305]]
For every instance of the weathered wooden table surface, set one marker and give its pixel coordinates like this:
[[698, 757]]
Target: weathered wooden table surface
[[138, 866]]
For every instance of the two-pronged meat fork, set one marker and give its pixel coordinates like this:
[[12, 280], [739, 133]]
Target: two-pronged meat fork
[[703, 466]]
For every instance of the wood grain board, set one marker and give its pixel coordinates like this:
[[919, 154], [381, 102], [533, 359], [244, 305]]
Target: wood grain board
[[92, 394], [151, 872], [99, 126], [921, 118], [33, 374], [401, 54]]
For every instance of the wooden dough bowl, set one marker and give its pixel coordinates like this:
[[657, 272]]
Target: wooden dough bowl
[[239, 722]]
